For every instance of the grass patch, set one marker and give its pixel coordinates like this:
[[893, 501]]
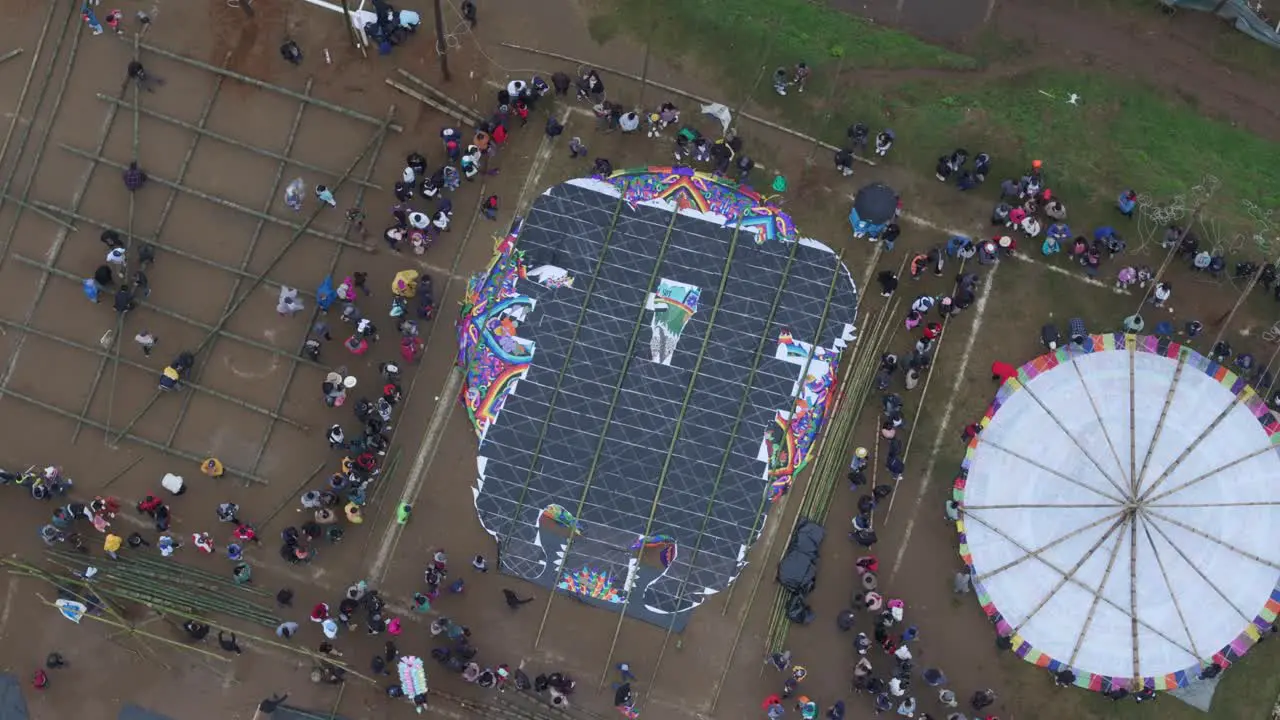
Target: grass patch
[[740, 36], [603, 27]]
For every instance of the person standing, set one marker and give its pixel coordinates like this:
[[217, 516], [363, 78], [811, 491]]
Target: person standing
[[134, 177], [111, 545], [146, 341], [229, 644], [469, 13], [490, 207], [117, 259]]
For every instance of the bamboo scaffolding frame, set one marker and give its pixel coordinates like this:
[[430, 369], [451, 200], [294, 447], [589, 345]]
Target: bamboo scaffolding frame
[[128, 436], [1093, 606], [1115, 499], [247, 258], [59, 243], [743, 401], [22, 100], [59, 272], [214, 135], [675, 439], [564, 369], [1236, 401], [179, 252], [117, 339], [44, 137], [347, 112], [608, 420], [148, 635], [1058, 571], [1151, 513], [333, 267], [131, 363], [1246, 616], [1061, 426], [304, 229], [31, 206], [217, 328], [1133, 419], [629, 76]]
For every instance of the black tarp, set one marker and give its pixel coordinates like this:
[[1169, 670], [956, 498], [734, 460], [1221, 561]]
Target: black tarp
[[798, 568], [876, 203]]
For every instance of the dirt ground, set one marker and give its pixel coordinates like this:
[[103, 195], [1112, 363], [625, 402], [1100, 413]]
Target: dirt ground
[[437, 445]]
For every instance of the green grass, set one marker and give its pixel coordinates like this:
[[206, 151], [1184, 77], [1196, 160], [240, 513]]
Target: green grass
[[741, 36]]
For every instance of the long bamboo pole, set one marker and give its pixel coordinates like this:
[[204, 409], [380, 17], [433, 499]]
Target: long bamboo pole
[[315, 311], [22, 100], [190, 457], [475, 116], [354, 114], [204, 389], [247, 258], [214, 135], [223, 202], [59, 272], [429, 102], [238, 272], [705, 101], [44, 137], [298, 233]]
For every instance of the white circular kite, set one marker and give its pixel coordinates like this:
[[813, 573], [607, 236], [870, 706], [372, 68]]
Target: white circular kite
[[1121, 513]]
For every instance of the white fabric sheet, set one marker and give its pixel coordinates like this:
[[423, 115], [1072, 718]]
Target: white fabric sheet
[[1047, 448]]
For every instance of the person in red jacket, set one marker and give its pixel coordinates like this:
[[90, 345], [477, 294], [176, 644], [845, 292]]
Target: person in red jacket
[[1002, 371], [490, 207]]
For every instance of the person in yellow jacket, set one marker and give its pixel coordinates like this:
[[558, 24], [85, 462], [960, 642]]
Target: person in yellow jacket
[[212, 467], [111, 544]]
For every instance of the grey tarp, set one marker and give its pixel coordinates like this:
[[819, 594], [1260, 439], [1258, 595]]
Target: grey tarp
[[12, 705]]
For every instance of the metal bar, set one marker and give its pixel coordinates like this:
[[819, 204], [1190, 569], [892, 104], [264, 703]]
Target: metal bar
[[176, 316], [302, 229], [176, 122], [44, 138], [128, 245], [213, 333], [248, 255], [134, 364], [315, 313], [275, 88], [608, 419], [169, 248], [182, 454]]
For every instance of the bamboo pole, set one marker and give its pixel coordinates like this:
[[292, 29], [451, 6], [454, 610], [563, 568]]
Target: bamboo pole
[[22, 99], [354, 114], [608, 421], [475, 116], [564, 369], [223, 202], [247, 258], [59, 272], [117, 343], [144, 633], [290, 497], [239, 272], [111, 481], [213, 333], [128, 436], [429, 102], [214, 135], [10, 55], [44, 138], [61, 222], [131, 363], [315, 311], [767, 123], [675, 438], [59, 243]]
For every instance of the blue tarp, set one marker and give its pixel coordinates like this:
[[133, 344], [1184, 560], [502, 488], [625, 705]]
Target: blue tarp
[[133, 712]]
